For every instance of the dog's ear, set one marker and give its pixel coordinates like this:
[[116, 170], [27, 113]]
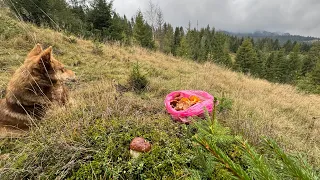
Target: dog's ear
[[45, 59], [35, 51]]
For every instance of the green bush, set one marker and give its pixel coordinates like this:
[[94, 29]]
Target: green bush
[[248, 163], [306, 85], [137, 81]]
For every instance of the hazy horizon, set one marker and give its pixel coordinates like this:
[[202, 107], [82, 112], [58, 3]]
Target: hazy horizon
[[244, 16]]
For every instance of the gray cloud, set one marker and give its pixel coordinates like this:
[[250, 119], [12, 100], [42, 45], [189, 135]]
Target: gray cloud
[[293, 16]]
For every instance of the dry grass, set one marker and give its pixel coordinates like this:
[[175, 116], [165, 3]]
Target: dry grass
[[259, 108]]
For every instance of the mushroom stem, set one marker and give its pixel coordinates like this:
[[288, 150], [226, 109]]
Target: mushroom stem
[[134, 154]]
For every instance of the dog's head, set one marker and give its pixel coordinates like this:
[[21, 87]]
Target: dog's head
[[41, 63]]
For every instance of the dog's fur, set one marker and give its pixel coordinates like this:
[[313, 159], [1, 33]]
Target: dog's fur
[[34, 86]]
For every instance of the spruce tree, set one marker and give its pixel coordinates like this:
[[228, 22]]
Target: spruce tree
[[139, 28], [280, 68], [183, 48], [79, 25], [168, 41], [305, 47], [294, 64], [288, 46], [311, 83], [246, 57], [127, 31], [269, 67], [176, 40], [312, 58], [117, 28], [315, 76], [142, 32], [220, 49], [258, 68], [203, 49], [234, 44], [52, 13], [276, 45], [268, 45], [148, 41], [100, 18], [196, 49], [32, 12], [193, 42]]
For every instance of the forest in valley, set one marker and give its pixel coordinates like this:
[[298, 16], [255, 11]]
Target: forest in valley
[[290, 62]]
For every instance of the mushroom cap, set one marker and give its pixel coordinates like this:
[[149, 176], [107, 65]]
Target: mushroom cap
[[140, 144]]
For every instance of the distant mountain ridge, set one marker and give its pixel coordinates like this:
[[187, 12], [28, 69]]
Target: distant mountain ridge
[[282, 37]]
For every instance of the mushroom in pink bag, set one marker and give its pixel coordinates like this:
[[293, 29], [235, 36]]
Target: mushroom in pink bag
[[188, 103]]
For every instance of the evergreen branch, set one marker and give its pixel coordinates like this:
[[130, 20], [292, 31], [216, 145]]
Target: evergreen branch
[[221, 157], [257, 163], [291, 166]]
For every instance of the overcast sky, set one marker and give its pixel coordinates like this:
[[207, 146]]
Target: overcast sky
[[294, 16]]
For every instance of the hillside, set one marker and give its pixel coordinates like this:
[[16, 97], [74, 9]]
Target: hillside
[[100, 122]]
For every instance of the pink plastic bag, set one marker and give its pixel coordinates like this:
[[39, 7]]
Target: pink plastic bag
[[195, 110]]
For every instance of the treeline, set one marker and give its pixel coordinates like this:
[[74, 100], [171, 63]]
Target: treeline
[[282, 38], [293, 63]]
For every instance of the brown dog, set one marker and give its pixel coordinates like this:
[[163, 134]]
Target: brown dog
[[33, 87]]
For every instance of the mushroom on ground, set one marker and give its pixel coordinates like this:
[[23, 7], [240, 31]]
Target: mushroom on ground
[[139, 145]]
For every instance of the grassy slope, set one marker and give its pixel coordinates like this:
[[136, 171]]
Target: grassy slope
[[259, 108]]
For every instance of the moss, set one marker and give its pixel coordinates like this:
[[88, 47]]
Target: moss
[[170, 156]]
